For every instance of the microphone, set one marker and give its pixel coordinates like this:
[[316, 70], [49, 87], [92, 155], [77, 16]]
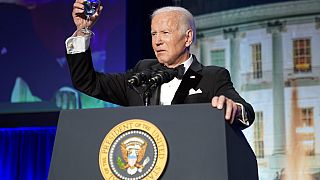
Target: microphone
[[139, 78], [163, 76]]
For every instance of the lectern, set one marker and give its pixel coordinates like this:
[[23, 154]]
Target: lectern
[[200, 144]]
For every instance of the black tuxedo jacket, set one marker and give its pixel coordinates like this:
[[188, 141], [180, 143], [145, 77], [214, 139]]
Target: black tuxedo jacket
[[211, 80]]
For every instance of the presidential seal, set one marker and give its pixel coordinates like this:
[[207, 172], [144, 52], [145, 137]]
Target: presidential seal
[[134, 149]]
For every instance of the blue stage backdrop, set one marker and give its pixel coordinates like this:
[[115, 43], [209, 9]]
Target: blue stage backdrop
[[35, 77], [25, 153], [32, 50]]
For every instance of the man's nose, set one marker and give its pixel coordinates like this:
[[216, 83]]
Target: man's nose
[[158, 40]]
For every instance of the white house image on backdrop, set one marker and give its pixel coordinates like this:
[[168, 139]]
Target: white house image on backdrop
[[273, 54]]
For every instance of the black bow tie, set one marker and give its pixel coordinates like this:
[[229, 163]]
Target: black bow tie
[[180, 70]]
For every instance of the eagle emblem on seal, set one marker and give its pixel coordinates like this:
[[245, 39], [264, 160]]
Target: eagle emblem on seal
[[133, 151]]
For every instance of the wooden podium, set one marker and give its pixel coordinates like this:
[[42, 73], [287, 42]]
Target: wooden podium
[[201, 145]]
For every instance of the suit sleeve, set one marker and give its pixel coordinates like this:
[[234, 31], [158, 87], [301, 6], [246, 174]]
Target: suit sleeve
[[225, 87], [107, 87]]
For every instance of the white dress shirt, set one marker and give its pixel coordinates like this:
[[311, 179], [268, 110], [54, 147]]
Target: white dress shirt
[[77, 44], [169, 89]]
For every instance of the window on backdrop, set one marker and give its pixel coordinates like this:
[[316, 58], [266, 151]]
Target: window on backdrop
[[305, 130], [302, 55], [218, 57], [256, 61], [258, 135]]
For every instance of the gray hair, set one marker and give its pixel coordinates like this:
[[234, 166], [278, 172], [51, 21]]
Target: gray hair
[[186, 17]]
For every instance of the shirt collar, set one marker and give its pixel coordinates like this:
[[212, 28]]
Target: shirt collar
[[187, 63]]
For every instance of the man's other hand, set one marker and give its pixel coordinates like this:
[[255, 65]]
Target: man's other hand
[[231, 107]]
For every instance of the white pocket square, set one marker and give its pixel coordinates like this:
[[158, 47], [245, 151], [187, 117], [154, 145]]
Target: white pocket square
[[192, 91]]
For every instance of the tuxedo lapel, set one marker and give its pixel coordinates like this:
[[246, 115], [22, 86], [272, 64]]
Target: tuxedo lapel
[[190, 80]]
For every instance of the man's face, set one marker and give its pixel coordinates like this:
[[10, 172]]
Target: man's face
[[168, 41]]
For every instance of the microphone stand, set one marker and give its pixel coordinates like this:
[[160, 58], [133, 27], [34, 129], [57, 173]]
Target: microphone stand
[[146, 96], [158, 79], [147, 93]]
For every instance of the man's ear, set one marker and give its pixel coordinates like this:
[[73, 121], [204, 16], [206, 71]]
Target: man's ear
[[189, 37]]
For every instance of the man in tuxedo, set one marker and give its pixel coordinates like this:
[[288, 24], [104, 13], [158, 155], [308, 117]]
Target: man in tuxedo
[[173, 31]]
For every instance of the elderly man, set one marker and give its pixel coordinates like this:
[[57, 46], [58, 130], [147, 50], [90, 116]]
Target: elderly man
[[173, 31]]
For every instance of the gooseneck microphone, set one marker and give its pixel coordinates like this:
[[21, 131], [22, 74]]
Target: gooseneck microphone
[[151, 79], [140, 78], [163, 76], [155, 77], [167, 74]]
